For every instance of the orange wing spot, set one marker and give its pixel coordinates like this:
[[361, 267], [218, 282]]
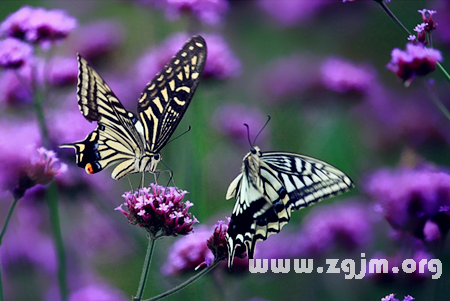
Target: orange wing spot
[[89, 169]]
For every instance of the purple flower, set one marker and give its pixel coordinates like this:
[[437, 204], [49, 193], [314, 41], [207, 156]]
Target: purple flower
[[208, 11], [348, 225], [427, 17], [416, 60], [98, 38], [290, 13], [188, 252], [63, 71], [221, 63], [217, 243], [159, 210], [229, 120], [23, 164], [389, 297], [343, 76], [410, 197], [97, 292], [37, 25], [289, 76], [14, 53]]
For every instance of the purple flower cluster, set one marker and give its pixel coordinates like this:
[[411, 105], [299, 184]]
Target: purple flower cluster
[[416, 60], [344, 224], [14, 53], [37, 25], [159, 210], [208, 11], [230, 119], [31, 165], [343, 76], [217, 243], [408, 198], [290, 13], [390, 297], [188, 252]]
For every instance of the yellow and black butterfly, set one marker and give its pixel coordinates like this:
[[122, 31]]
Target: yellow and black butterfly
[[134, 141], [271, 185]]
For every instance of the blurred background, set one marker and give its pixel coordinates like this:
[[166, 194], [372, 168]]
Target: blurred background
[[318, 68]]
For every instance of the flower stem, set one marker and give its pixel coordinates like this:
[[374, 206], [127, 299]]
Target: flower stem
[[145, 268], [446, 75], [186, 283], [437, 101], [5, 226], [52, 202], [8, 217], [393, 17]]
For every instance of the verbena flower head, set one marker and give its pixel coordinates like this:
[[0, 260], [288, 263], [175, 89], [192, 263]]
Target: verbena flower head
[[188, 252], [347, 225], [290, 13], [229, 120], [208, 11], [342, 76], [217, 243], [98, 38], [408, 197], [416, 60], [427, 17], [390, 297], [14, 53], [37, 25], [160, 210], [63, 71]]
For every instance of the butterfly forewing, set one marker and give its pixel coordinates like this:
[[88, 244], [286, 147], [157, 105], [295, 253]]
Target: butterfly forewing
[[166, 98], [265, 198]]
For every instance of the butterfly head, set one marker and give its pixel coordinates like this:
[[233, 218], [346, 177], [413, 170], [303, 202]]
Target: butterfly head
[[151, 162]]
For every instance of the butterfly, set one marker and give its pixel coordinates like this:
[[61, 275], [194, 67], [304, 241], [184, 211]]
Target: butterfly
[[134, 141], [271, 185]]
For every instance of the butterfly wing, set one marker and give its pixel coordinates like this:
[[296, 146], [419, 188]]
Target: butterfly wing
[[284, 182], [166, 98], [116, 138]]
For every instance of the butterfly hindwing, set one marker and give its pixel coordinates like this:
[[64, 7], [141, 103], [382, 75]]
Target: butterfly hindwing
[[166, 98], [266, 195]]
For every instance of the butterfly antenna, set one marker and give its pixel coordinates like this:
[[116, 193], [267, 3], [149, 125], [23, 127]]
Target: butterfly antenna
[[248, 134], [260, 131], [185, 132], [170, 173]]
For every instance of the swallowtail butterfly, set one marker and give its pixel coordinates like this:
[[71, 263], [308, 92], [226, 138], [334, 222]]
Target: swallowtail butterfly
[[134, 141], [271, 185]]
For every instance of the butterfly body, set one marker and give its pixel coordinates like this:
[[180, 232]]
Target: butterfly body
[[270, 186], [131, 141]]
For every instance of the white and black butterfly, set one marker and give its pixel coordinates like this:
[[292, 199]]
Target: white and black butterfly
[[271, 185], [134, 141]]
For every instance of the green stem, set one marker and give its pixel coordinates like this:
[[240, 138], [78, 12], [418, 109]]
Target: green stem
[[447, 76], [8, 217], [393, 17], [52, 202], [40, 116], [438, 102], [145, 268], [186, 283], [5, 226]]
